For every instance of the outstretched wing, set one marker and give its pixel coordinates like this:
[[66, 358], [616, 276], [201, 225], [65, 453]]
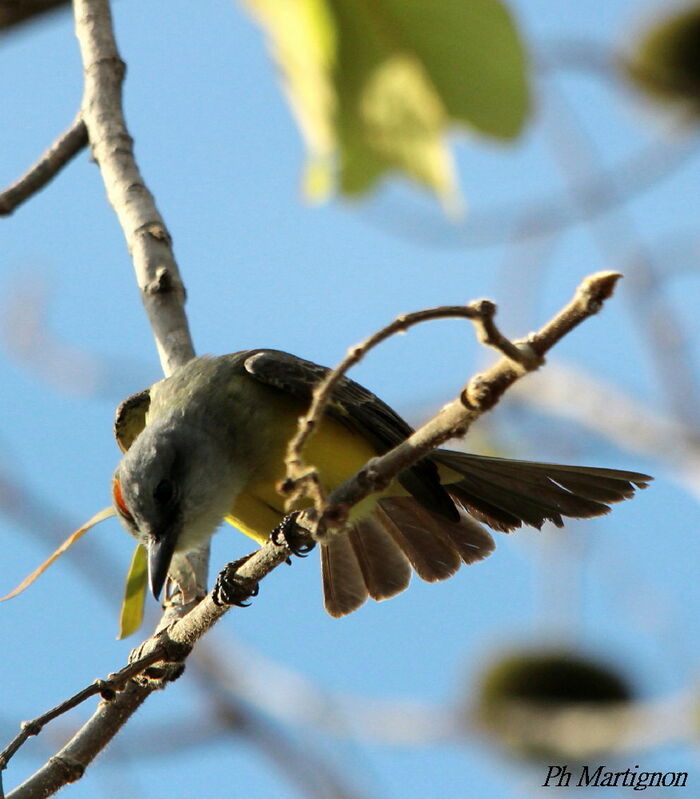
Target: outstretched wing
[[357, 409]]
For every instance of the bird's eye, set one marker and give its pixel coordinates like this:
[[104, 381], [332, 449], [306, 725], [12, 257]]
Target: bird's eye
[[163, 492]]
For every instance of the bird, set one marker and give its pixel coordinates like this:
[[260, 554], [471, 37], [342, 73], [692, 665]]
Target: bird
[[208, 443]]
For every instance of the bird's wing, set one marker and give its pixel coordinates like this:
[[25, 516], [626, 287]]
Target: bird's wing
[[359, 410], [130, 418]]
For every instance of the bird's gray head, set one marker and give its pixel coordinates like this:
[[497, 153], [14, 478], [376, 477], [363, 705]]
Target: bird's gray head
[[171, 489]]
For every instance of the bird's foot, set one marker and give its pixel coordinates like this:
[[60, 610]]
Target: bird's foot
[[232, 588], [289, 533]]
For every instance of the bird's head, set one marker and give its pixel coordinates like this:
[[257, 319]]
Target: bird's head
[[171, 489]]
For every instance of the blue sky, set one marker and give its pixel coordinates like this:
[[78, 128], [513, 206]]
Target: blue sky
[[219, 149]]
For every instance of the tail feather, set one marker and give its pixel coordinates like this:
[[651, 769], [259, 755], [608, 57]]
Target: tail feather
[[470, 539], [418, 535], [506, 493], [385, 568], [621, 483], [439, 540], [374, 557], [344, 586], [529, 503], [601, 489]]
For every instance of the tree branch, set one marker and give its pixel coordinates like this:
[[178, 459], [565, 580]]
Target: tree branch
[[172, 645], [106, 688], [479, 395], [147, 237], [65, 148]]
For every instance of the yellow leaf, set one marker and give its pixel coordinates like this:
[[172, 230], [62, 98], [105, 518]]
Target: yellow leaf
[[105, 513], [131, 615], [301, 36], [319, 179]]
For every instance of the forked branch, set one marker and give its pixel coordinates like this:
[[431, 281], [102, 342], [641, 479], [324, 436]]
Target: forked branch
[[480, 394]]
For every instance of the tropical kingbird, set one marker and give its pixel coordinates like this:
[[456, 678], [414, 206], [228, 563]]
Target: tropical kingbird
[[209, 442]]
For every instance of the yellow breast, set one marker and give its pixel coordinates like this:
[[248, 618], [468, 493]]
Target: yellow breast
[[334, 450]]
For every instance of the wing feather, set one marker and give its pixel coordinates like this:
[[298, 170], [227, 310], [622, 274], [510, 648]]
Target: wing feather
[[359, 410]]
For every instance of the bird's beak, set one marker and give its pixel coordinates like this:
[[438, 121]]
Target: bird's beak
[[160, 553]]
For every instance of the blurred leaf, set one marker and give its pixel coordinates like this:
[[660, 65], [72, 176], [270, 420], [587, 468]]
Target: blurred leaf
[[131, 615], [389, 115], [665, 62], [13, 12], [474, 57], [301, 36], [553, 705], [552, 676], [376, 84]]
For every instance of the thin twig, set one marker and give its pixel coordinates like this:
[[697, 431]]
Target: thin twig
[[106, 688], [302, 481], [66, 147], [122, 693], [69, 764], [480, 395]]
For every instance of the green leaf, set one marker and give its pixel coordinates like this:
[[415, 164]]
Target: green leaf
[[474, 57], [389, 115], [131, 615], [376, 84]]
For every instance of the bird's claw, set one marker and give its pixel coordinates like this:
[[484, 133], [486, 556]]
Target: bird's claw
[[288, 533], [232, 588]]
